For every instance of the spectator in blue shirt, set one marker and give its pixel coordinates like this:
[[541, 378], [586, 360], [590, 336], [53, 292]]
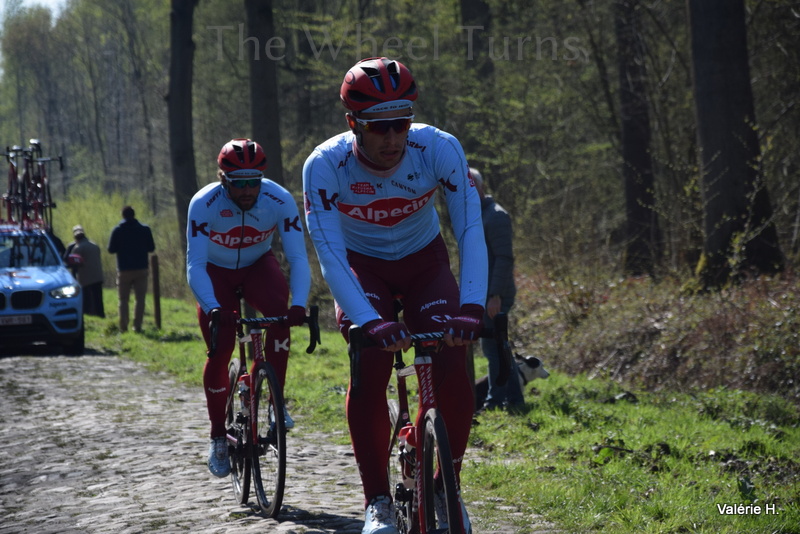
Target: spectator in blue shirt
[[131, 241]]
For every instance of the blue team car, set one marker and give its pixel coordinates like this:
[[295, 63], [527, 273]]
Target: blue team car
[[40, 300]]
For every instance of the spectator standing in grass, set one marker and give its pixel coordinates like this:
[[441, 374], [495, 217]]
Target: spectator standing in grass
[[131, 241], [88, 270], [501, 291]]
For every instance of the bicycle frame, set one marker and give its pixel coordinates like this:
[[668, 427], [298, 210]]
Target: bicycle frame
[[405, 433], [423, 369], [250, 444], [255, 336]]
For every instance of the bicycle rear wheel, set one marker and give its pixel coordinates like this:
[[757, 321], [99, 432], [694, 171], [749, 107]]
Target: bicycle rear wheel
[[436, 456], [269, 452], [241, 465]]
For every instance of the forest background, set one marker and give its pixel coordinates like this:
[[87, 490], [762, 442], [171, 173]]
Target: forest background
[[583, 117]]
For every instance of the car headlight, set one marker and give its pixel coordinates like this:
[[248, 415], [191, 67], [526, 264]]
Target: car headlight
[[66, 292]]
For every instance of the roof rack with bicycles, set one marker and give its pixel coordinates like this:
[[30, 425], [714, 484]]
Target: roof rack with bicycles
[[27, 201]]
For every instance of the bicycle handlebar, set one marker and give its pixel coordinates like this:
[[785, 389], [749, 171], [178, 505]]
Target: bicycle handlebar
[[499, 333], [312, 320]]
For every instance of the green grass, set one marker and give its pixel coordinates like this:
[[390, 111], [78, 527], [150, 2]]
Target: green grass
[[594, 458], [588, 455]]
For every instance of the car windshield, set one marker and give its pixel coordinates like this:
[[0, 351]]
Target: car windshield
[[26, 251]]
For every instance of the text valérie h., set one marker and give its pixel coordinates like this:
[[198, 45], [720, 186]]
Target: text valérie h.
[[746, 509]]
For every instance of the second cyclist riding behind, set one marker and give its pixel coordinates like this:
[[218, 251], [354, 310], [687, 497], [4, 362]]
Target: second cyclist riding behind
[[230, 228]]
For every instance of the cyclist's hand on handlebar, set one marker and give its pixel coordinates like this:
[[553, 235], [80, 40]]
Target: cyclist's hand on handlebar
[[465, 328], [295, 316], [388, 335], [223, 317]]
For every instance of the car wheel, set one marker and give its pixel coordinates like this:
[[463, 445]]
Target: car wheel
[[76, 346]]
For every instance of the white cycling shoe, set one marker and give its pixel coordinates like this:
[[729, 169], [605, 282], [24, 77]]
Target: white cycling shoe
[[218, 461], [379, 517], [288, 422], [287, 419]]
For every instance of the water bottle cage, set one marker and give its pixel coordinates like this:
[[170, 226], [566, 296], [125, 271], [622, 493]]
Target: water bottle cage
[[408, 462]]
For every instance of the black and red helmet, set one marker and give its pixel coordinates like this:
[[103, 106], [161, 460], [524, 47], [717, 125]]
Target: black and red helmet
[[242, 158], [378, 84]]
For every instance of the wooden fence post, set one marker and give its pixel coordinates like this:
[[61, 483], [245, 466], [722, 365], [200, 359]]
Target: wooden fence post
[[156, 290]]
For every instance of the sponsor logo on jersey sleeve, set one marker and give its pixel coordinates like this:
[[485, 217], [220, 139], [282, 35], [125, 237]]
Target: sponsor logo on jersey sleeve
[[199, 228], [328, 203], [386, 211], [273, 197], [213, 198], [448, 185], [292, 224]]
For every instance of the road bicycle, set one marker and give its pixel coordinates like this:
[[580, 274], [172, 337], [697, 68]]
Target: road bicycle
[[420, 449], [256, 429], [27, 199]]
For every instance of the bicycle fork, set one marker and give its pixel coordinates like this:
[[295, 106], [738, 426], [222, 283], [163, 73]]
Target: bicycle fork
[[411, 492]]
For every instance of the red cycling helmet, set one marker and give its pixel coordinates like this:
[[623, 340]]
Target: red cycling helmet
[[242, 158], [375, 81]]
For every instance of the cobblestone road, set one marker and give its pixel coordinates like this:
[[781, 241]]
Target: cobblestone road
[[98, 444]]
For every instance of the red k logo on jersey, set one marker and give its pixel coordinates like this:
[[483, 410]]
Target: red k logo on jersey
[[386, 211], [235, 238]]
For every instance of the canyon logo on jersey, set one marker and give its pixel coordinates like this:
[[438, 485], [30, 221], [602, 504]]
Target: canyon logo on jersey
[[386, 211], [236, 238]]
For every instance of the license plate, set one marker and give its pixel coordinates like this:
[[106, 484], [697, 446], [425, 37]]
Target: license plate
[[15, 320]]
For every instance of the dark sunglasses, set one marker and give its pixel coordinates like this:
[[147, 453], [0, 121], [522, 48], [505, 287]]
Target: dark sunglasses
[[382, 126], [241, 183]]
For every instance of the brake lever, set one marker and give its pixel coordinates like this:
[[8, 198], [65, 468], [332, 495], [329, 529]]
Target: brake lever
[[313, 329]]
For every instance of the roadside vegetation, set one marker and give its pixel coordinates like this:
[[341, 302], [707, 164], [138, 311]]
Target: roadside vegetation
[[662, 413]]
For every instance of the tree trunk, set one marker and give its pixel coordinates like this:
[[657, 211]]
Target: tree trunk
[[476, 21], [304, 123], [140, 81], [179, 109], [740, 235], [264, 104], [643, 246], [476, 18]]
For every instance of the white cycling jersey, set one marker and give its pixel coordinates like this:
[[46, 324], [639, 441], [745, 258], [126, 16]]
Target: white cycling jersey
[[391, 214], [221, 233]]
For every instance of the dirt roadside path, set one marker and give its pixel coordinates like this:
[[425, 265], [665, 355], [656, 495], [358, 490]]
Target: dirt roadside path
[[99, 444]]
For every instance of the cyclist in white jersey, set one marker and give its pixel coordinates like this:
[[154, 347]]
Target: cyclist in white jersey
[[370, 209], [230, 228]]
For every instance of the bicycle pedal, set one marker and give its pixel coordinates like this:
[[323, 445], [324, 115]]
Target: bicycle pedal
[[402, 494]]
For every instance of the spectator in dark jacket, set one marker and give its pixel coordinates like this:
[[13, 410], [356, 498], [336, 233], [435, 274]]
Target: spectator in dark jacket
[[131, 241], [501, 291]]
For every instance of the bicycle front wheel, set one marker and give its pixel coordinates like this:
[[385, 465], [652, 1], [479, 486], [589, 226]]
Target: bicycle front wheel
[[240, 462], [437, 457], [269, 450]]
